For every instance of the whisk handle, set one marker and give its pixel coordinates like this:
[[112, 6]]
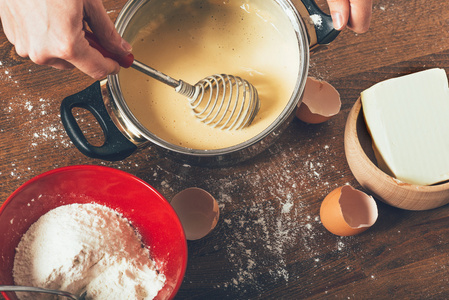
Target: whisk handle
[[155, 74], [129, 61], [18, 288], [123, 61]]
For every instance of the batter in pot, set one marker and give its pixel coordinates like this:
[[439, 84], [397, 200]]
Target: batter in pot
[[192, 39]]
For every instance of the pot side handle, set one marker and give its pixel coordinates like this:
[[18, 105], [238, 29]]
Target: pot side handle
[[116, 145], [325, 30]]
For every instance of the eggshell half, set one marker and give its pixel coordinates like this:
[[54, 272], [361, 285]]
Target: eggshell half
[[346, 211], [320, 102], [197, 210]]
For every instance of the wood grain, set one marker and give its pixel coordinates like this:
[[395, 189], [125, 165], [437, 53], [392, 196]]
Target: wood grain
[[269, 242]]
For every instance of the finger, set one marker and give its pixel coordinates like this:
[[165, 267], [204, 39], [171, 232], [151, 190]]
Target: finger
[[74, 51], [104, 29], [360, 15], [43, 56], [339, 10], [81, 56], [60, 64], [8, 30], [91, 61]]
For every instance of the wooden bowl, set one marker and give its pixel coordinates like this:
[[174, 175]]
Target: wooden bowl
[[362, 162]]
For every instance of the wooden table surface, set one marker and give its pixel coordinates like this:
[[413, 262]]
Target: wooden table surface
[[269, 242]]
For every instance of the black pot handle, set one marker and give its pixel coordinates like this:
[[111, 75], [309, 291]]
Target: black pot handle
[[116, 145], [325, 30]]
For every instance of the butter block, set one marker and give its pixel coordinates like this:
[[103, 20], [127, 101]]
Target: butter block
[[408, 119]]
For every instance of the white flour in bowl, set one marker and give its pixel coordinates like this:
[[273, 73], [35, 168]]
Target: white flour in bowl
[[86, 247]]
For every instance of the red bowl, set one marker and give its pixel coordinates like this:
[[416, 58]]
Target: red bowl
[[145, 207]]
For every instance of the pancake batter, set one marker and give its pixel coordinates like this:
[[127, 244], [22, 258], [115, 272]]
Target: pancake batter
[[192, 39]]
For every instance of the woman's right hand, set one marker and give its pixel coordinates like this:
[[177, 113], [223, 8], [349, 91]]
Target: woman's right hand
[[51, 32]]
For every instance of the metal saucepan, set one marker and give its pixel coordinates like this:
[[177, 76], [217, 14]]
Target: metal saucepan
[[124, 133]]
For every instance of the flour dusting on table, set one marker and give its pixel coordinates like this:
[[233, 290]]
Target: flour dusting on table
[[258, 235]]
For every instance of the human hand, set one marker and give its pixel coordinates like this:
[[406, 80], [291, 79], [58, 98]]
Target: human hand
[[355, 14], [51, 32]]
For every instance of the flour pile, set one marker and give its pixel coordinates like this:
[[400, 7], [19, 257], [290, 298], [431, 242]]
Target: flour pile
[[86, 247]]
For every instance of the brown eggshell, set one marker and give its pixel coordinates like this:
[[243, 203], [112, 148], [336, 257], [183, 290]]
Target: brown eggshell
[[346, 211], [197, 210], [320, 102]]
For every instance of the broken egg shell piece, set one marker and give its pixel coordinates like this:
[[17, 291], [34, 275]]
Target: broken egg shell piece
[[197, 210], [320, 102], [347, 211]]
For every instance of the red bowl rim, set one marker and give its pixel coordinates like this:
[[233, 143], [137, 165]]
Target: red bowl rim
[[101, 168]]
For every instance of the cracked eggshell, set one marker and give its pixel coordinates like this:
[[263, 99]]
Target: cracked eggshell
[[320, 102], [197, 210], [347, 211]]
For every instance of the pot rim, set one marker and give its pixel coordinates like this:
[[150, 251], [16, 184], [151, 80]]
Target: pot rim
[[125, 16]]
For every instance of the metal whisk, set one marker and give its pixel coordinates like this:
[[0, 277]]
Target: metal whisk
[[225, 101], [222, 101], [19, 288]]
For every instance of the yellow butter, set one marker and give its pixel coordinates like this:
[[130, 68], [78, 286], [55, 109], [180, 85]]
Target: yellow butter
[[408, 119]]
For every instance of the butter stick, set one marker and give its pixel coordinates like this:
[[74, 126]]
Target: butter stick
[[408, 119]]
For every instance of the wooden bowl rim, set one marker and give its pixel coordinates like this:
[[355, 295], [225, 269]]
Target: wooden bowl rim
[[351, 126]]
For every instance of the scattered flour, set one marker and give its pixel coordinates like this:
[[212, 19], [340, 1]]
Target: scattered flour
[[317, 20], [261, 238], [86, 247], [42, 125]]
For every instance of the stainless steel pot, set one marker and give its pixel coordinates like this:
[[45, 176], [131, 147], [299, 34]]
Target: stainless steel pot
[[124, 133]]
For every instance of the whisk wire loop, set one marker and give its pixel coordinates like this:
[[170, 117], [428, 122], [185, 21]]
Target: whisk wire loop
[[225, 101], [211, 106]]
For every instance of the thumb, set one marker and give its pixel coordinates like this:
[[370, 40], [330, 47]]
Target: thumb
[[355, 14], [339, 10], [104, 29], [360, 16]]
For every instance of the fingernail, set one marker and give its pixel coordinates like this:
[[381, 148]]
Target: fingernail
[[126, 46], [337, 20]]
